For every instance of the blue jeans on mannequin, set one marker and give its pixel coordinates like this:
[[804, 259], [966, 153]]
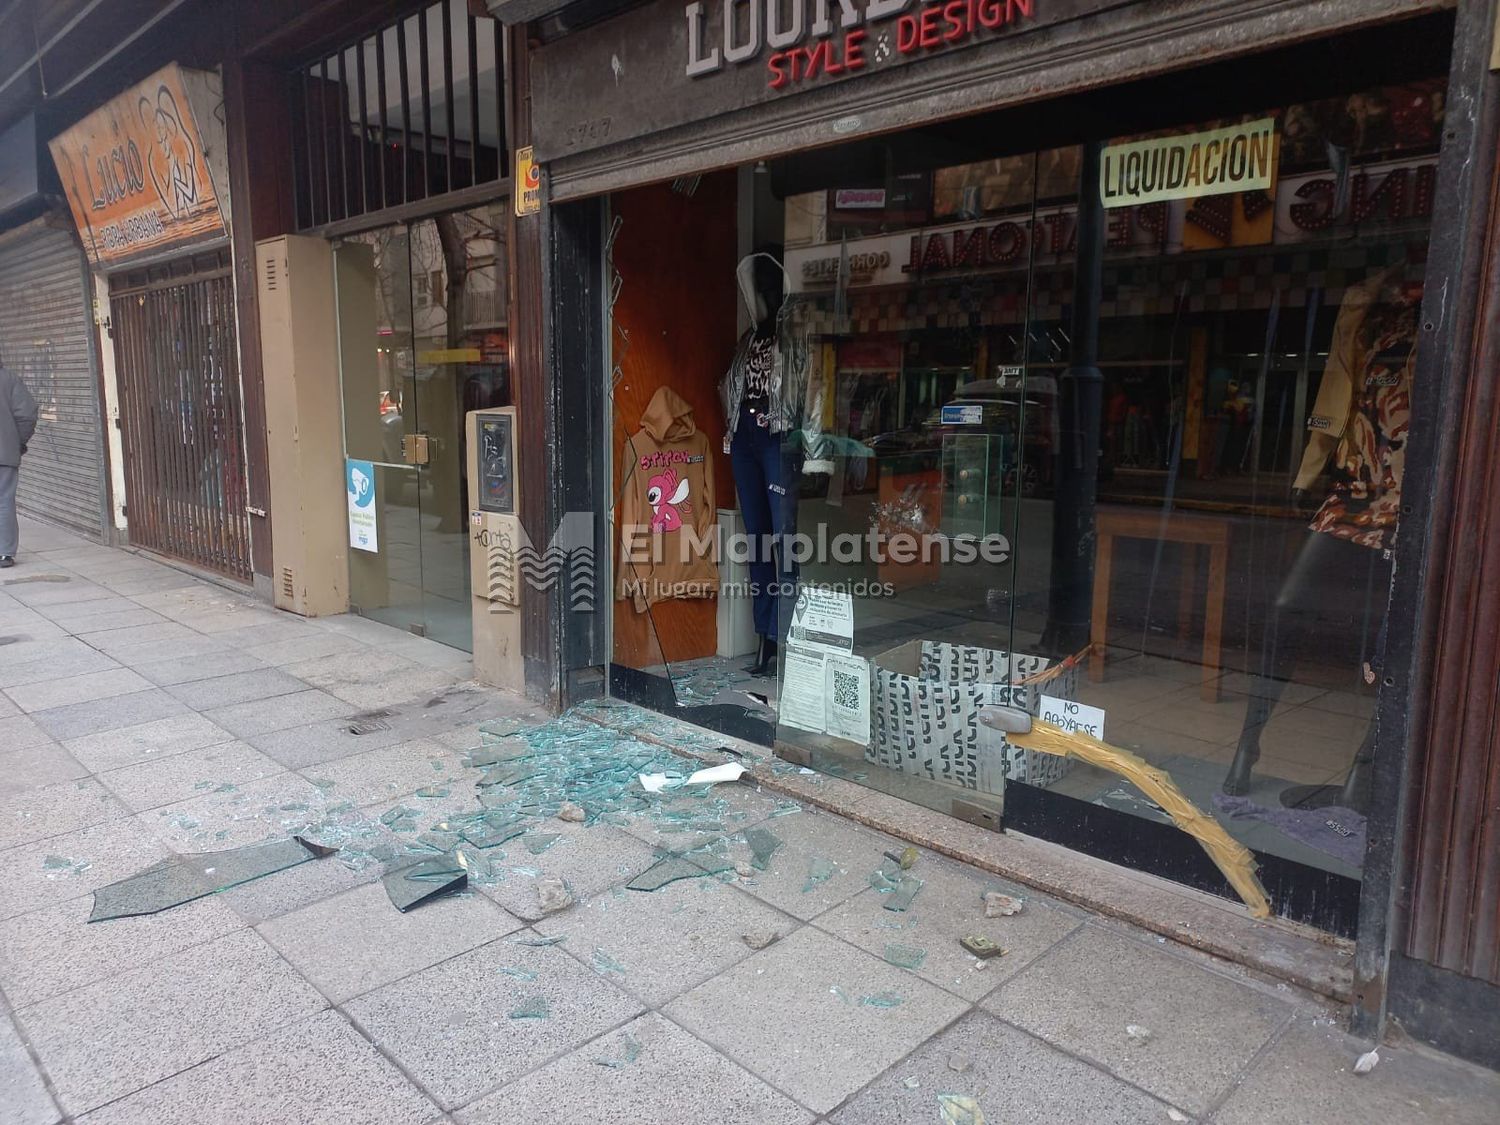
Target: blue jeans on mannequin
[[762, 480]]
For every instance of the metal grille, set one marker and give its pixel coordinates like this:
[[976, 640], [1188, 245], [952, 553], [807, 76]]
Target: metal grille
[[180, 412], [412, 111]]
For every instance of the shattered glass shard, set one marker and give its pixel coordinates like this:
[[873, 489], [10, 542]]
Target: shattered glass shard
[[433, 792], [421, 882], [882, 1000], [763, 845], [905, 956], [539, 942], [673, 866], [819, 871], [604, 963], [630, 1051], [960, 1109], [535, 1008], [540, 842], [906, 890], [181, 879], [519, 974], [484, 836], [400, 812]]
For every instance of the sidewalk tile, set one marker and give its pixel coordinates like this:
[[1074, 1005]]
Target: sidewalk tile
[[101, 853], [374, 679], [20, 733], [55, 809], [949, 906], [47, 695], [37, 594], [79, 719], [792, 1015], [590, 859], [450, 1028], [279, 713], [36, 767], [54, 660], [146, 742], [310, 883], [1204, 1026], [357, 941], [727, 811], [677, 937], [120, 1035], [189, 669], [240, 687], [652, 1090], [92, 625], [316, 643], [326, 741], [53, 950], [171, 637], [181, 777], [65, 612], [1308, 1075], [1013, 1076], [391, 772], [268, 808], [314, 1072], [807, 836], [24, 1094]]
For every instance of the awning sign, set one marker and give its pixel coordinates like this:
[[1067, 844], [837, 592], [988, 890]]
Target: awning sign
[[1188, 166], [136, 172]]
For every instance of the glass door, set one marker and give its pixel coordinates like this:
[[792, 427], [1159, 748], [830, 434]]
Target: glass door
[[423, 339]]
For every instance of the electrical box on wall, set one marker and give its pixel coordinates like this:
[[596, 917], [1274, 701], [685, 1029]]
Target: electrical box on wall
[[496, 539], [304, 429]]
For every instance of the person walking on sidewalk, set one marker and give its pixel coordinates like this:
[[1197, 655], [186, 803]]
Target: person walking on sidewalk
[[17, 424]]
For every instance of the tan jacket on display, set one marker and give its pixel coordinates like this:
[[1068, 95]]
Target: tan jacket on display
[[666, 511]]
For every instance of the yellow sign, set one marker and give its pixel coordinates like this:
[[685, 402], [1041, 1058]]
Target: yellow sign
[[1190, 165], [450, 355], [135, 174], [528, 183]]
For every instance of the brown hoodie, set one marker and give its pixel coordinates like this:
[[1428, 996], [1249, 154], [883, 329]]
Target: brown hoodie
[[666, 511]]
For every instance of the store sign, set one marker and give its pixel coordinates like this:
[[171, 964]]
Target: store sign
[[1217, 162], [809, 40], [136, 172], [528, 183], [963, 414], [859, 199]]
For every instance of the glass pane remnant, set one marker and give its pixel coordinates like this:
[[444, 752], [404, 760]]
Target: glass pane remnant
[[819, 871], [905, 956], [882, 1000], [181, 879], [960, 1109], [540, 842], [604, 964], [423, 881], [536, 1008], [674, 866], [763, 845], [630, 1051], [905, 891]]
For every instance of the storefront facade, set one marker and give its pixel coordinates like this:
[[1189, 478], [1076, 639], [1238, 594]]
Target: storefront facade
[[1084, 358], [146, 180]]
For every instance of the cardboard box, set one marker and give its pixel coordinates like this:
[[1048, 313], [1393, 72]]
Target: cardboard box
[[925, 698]]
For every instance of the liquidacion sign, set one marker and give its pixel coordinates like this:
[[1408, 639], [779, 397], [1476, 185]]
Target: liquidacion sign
[[805, 44], [1192, 165]]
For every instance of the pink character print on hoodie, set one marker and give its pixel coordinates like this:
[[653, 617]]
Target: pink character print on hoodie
[[668, 499]]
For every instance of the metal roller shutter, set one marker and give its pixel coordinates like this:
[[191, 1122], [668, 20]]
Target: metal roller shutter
[[46, 336]]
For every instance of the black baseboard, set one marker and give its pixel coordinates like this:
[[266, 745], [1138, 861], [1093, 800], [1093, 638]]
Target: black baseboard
[[1446, 1010]]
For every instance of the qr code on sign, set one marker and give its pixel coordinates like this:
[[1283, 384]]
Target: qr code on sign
[[845, 690]]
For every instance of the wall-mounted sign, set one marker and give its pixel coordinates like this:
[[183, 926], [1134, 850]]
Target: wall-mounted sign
[[528, 183], [859, 199], [359, 483], [1191, 165], [137, 170]]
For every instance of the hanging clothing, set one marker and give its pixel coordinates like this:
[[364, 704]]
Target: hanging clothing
[[787, 385], [1359, 422], [667, 511]]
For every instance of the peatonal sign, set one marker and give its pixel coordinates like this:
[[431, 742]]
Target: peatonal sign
[[137, 171]]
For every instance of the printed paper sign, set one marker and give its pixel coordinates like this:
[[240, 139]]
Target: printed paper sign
[[823, 620], [359, 480], [1075, 718], [802, 689], [1190, 165], [847, 692]]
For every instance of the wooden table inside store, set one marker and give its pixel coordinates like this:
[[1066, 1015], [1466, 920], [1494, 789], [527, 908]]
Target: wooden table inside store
[[1194, 533]]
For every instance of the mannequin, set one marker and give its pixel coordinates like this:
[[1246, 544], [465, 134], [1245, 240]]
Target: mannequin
[[762, 393], [1357, 433]]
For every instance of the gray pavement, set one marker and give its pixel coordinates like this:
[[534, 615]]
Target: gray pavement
[[145, 713]]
